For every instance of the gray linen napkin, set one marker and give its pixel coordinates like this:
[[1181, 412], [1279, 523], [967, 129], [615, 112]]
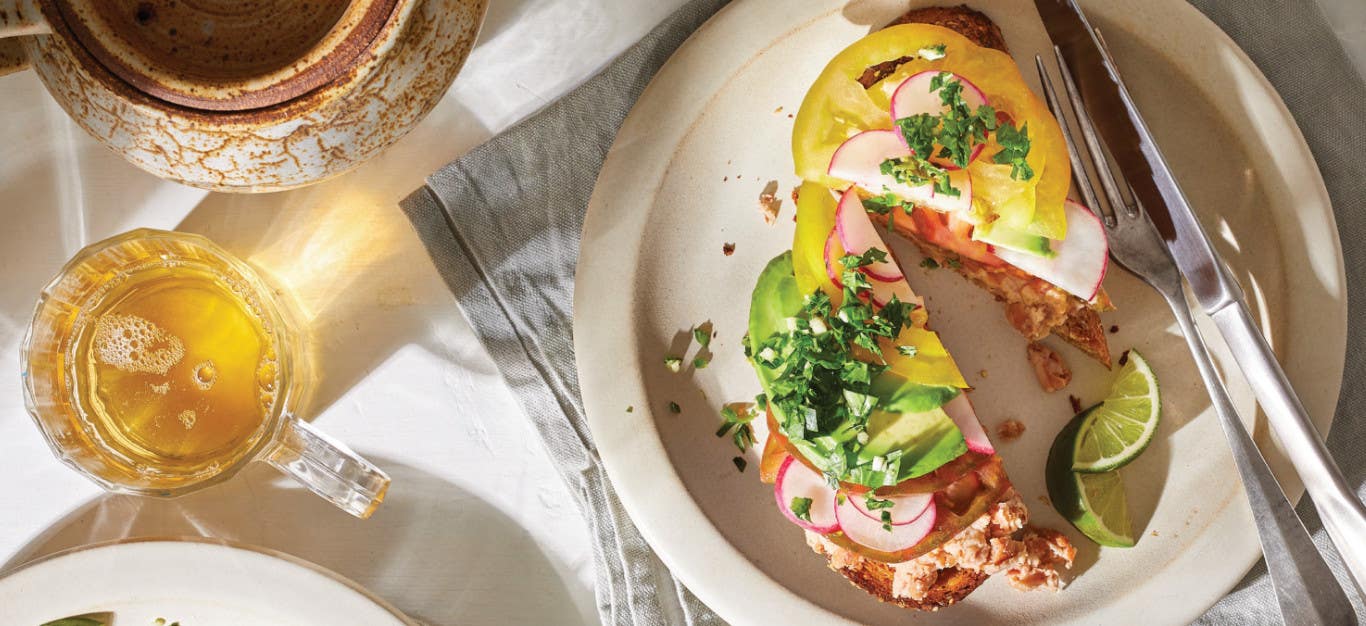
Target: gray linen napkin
[[502, 225]]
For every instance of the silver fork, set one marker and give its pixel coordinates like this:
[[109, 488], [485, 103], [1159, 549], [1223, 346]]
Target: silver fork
[[1305, 587]]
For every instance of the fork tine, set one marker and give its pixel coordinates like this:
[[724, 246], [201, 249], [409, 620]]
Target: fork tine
[[1079, 175], [1093, 145]]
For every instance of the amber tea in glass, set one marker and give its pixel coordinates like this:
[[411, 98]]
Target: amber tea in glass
[[157, 363]]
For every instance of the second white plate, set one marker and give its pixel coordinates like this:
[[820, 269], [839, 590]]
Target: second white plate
[[193, 582]]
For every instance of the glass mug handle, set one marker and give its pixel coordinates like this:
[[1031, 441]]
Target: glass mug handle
[[328, 468]]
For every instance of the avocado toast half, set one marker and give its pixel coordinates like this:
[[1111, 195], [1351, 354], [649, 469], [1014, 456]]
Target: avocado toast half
[[873, 446]]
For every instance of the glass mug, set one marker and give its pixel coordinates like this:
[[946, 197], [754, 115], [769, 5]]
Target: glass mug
[[159, 364]]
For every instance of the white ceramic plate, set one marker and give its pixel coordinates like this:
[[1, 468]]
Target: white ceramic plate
[[683, 179], [194, 582]]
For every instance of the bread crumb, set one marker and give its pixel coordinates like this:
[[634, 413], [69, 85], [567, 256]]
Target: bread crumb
[[982, 373], [1010, 430], [1049, 368], [778, 110], [769, 202], [727, 249]]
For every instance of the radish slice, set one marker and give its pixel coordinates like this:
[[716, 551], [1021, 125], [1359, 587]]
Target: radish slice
[[905, 509], [914, 97], [965, 418], [833, 252], [883, 292], [859, 161], [1079, 262], [857, 235], [860, 157], [869, 532], [796, 480], [944, 203]]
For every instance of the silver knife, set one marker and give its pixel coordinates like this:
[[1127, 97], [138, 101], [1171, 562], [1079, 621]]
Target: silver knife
[[1136, 154]]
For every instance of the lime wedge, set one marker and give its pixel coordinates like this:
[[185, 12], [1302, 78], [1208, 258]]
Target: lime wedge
[[1122, 426], [1093, 502]]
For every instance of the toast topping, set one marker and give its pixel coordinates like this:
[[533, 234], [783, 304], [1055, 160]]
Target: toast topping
[[997, 542]]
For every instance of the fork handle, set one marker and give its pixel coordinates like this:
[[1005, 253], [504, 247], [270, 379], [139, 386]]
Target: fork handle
[[1303, 583], [1342, 513]]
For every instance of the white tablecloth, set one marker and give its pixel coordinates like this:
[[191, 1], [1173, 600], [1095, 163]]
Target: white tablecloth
[[477, 528]]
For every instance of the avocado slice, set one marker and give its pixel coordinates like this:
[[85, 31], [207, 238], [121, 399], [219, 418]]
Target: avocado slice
[[926, 440], [998, 234]]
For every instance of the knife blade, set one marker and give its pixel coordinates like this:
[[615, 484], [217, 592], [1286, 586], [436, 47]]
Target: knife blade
[[1137, 156]]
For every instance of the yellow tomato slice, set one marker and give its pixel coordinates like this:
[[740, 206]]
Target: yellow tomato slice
[[931, 365], [815, 220], [837, 107]]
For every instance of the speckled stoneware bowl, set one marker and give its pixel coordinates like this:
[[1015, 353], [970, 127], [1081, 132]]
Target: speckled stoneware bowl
[[245, 96]]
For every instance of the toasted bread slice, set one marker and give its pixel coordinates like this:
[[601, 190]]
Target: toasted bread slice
[[1034, 307]]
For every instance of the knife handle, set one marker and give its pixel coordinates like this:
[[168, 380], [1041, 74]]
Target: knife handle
[[1342, 513], [1297, 569]]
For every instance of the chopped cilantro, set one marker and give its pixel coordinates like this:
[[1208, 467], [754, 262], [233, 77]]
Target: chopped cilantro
[[908, 351], [631, 409], [954, 263], [961, 128], [701, 362], [674, 363], [956, 132], [869, 257], [702, 333], [801, 507], [674, 408], [743, 435], [823, 369], [883, 204], [929, 264], [1014, 150], [875, 503], [740, 463]]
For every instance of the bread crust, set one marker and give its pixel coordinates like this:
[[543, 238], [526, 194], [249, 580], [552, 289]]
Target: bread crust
[[952, 585], [970, 23]]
